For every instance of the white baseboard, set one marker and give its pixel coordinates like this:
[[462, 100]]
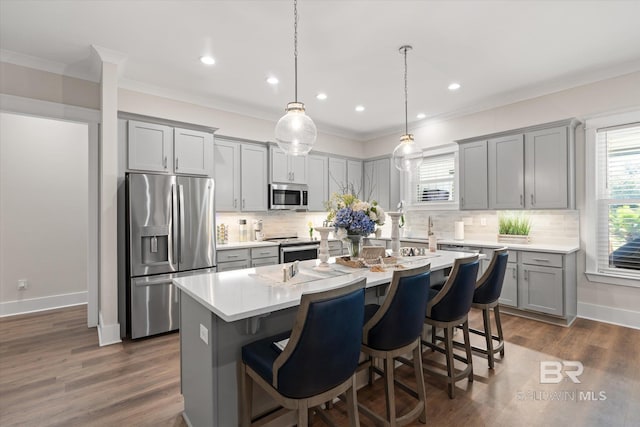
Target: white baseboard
[[108, 334], [616, 316], [24, 306]]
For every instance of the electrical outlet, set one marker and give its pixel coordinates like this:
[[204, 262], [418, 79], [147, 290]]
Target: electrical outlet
[[483, 221], [204, 334], [22, 284]]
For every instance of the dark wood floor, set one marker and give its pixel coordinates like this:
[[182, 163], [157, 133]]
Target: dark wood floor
[[52, 372]]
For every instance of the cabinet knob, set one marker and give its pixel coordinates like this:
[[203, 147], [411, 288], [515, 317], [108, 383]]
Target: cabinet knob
[[176, 163], [164, 163], [532, 200], [521, 199], [243, 204], [235, 203]]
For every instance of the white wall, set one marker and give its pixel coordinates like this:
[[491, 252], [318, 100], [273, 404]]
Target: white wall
[[228, 124], [43, 211], [595, 300]]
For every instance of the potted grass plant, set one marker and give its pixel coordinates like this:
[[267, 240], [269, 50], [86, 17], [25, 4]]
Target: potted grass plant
[[514, 228]]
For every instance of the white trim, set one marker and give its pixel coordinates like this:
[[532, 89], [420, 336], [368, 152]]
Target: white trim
[[37, 63], [39, 108], [32, 305], [108, 334], [615, 316], [612, 279]]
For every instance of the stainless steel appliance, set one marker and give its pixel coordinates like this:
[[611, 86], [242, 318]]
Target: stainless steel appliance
[[295, 249], [170, 232], [288, 196]]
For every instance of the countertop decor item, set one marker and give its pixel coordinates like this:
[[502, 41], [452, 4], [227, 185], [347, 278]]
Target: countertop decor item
[[295, 132], [355, 217], [514, 228], [323, 253], [407, 156]]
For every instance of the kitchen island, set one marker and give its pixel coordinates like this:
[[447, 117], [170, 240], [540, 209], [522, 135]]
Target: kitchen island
[[221, 312]]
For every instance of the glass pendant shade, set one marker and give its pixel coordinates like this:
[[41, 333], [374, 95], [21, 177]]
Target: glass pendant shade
[[295, 132], [407, 157]]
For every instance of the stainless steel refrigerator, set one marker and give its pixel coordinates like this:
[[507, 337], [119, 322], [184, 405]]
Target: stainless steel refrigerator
[[170, 232]]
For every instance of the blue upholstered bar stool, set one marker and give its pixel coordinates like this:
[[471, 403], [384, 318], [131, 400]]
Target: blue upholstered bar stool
[[449, 307], [485, 297], [394, 329], [319, 361]]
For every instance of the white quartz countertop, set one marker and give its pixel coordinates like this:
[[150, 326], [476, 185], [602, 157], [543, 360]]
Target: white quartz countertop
[[563, 248], [241, 294], [242, 245]]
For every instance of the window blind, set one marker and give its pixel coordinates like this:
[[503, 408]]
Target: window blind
[[435, 180], [618, 200]]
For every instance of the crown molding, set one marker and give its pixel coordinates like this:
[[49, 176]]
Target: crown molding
[[54, 67]]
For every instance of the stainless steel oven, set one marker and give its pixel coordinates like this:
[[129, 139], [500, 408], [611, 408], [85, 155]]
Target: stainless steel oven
[[298, 252], [288, 196]]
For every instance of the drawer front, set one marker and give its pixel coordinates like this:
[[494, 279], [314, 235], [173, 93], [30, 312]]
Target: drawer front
[[335, 245], [264, 261], [233, 255], [541, 258], [233, 265], [513, 256], [271, 251]]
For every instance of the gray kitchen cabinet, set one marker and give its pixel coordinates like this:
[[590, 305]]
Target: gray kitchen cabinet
[[262, 256], [150, 147], [154, 147], [193, 152], [382, 183], [354, 176], [473, 175], [236, 259], [318, 168], [506, 172], [548, 172], [287, 169], [227, 175], [509, 294], [338, 176], [253, 177]]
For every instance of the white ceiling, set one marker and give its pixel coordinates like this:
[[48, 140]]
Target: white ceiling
[[500, 51]]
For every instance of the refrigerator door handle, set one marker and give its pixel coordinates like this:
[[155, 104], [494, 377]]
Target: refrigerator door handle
[[176, 218], [181, 220]]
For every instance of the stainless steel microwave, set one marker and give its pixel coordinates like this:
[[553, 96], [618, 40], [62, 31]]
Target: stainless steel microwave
[[288, 196]]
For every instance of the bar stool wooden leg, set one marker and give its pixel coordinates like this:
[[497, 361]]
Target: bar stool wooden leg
[[389, 390], [496, 312], [433, 336], [246, 392], [448, 340], [486, 317], [422, 393], [303, 414], [352, 404]]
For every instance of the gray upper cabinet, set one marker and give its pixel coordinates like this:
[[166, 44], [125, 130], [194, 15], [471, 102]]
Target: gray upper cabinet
[[337, 175], [506, 172], [529, 168], [318, 168], [160, 148], [287, 169], [150, 147], [548, 174], [354, 176], [381, 183], [193, 152], [473, 175], [253, 177], [227, 175]]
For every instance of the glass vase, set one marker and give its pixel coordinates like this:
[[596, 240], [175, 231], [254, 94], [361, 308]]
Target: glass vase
[[355, 245]]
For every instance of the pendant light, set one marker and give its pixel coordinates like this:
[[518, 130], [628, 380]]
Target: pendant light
[[295, 132], [407, 157]]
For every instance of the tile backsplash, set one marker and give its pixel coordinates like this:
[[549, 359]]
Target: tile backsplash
[[547, 226]]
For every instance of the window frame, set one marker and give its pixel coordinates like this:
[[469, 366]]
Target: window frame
[[591, 199], [407, 181]]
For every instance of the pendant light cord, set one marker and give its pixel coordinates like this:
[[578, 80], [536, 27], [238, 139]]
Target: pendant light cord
[[295, 45], [406, 111]]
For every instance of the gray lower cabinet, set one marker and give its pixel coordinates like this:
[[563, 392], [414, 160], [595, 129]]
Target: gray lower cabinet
[[237, 259], [509, 294], [541, 289]]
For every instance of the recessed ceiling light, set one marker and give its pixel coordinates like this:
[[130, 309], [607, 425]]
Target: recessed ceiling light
[[321, 96], [272, 80], [421, 116], [359, 108], [454, 86], [207, 60]]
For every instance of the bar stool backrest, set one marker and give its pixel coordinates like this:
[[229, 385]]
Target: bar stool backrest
[[454, 300], [400, 319], [489, 286], [324, 346]]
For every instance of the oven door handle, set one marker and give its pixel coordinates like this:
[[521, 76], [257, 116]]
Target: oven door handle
[[298, 248]]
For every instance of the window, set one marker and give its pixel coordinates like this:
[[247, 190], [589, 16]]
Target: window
[[615, 249], [434, 184]]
